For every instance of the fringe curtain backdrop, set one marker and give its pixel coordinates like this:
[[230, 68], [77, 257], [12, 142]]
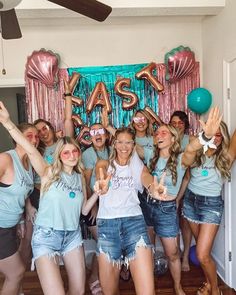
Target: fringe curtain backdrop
[[48, 103]]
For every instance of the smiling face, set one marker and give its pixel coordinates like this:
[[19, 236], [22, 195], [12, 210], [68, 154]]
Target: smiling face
[[69, 155], [98, 136], [140, 122], [124, 145], [164, 138], [45, 133], [177, 123]]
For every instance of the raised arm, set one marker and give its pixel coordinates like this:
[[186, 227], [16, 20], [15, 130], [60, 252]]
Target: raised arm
[[35, 157], [105, 122], [205, 139], [68, 123]]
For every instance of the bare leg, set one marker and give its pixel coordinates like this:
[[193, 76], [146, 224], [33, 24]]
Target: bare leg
[[187, 238], [25, 244], [109, 275], [49, 275], [172, 252], [141, 268], [75, 267], [13, 269], [207, 233]]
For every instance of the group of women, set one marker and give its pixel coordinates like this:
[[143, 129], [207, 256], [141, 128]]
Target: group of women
[[121, 189]]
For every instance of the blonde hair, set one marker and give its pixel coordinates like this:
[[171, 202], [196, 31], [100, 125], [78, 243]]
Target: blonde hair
[[149, 130], [222, 160], [57, 166], [113, 155], [174, 151]]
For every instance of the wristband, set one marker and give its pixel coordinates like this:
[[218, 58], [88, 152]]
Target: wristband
[[205, 138], [67, 94], [209, 143]]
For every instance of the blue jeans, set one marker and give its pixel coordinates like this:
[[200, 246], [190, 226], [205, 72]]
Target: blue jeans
[[162, 215], [119, 238], [50, 242], [202, 209]]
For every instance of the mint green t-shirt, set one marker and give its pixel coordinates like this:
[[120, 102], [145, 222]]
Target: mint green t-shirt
[[60, 206]]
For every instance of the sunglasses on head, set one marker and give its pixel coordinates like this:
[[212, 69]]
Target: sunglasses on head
[[139, 120], [94, 132]]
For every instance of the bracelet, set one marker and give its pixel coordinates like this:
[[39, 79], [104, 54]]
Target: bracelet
[[209, 143], [67, 94], [205, 138]]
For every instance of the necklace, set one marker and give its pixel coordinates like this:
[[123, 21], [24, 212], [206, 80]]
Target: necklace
[[70, 183]]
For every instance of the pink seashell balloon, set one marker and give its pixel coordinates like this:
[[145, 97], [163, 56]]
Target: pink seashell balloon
[[42, 66], [180, 62]]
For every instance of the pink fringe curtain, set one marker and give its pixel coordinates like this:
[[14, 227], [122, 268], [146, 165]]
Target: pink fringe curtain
[[48, 103]]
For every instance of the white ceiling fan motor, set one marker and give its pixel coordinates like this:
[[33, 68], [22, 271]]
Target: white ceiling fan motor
[[8, 4]]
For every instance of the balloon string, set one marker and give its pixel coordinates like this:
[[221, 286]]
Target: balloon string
[[3, 62]]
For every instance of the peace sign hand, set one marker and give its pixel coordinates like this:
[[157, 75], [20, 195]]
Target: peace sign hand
[[159, 189], [102, 184]]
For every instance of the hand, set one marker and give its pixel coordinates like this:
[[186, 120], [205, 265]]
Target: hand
[[31, 213], [102, 185], [104, 118], [21, 230], [213, 122], [159, 190], [4, 115]]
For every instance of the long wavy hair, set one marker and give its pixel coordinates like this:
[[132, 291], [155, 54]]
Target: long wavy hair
[[57, 166], [174, 151], [149, 130], [183, 117], [113, 155], [222, 160], [42, 146]]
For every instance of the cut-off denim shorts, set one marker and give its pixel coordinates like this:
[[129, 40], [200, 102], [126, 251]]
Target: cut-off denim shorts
[[49, 242], [202, 209], [119, 238], [162, 215]]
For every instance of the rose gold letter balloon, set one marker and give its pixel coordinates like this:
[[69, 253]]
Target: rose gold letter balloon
[[147, 73], [133, 99], [99, 96], [72, 83], [81, 138]]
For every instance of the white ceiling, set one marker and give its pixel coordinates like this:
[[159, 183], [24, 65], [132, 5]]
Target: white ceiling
[[121, 8]]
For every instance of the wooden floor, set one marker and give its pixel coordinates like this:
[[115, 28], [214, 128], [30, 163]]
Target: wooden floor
[[190, 280]]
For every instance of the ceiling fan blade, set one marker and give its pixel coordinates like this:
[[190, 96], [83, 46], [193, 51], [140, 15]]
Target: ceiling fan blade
[[9, 25], [91, 8]]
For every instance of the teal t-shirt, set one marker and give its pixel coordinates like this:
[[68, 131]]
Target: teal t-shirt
[[90, 158], [60, 206], [172, 190], [184, 142], [206, 180], [12, 198], [147, 143]]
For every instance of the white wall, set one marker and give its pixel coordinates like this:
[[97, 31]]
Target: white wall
[[219, 44], [82, 42]]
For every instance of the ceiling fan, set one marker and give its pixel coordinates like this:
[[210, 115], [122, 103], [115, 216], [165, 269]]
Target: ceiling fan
[[9, 26]]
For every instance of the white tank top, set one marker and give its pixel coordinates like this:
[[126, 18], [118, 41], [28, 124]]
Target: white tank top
[[121, 200]]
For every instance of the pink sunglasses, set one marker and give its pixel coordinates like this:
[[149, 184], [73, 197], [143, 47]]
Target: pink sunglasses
[[99, 131], [139, 120]]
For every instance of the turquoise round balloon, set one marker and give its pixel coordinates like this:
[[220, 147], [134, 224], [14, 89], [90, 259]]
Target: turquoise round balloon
[[199, 100]]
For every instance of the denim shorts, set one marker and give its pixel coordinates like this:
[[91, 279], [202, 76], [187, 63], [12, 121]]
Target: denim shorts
[[162, 215], [119, 238], [202, 209], [50, 242]]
